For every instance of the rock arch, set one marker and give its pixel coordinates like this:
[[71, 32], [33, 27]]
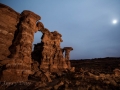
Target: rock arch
[[17, 57]]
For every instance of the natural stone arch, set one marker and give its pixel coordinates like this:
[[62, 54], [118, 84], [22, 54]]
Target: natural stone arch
[[20, 45]]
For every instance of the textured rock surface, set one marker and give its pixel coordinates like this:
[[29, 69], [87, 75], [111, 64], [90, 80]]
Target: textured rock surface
[[49, 53], [19, 29], [16, 38], [9, 20], [93, 75], [67, 55], [22, 44]]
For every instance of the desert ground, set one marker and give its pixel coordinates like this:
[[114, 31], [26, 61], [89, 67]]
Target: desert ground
[[89, 74]]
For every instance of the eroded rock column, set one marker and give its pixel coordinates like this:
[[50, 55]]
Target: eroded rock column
[[57, 56], [50, 53], [25, 37], [20, 66], [67, 55], [16, 37]]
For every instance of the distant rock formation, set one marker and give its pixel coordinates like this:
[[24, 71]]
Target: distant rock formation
[[16, 37], [67, 55]]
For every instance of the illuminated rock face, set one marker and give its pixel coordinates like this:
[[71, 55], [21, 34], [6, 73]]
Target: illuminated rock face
[[49, 53], [17, 32], [16, 37]]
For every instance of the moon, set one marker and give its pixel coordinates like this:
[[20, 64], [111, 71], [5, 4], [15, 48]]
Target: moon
[[114, 21]]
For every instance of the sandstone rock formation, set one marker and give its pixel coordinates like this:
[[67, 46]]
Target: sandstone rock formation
[[67, 55], [9, 20], [16, 38], [46, 67], [49, 53]]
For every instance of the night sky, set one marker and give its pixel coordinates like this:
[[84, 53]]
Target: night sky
[[91, 27]]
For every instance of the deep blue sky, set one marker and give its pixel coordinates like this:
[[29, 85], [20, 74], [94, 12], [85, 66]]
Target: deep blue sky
[[85, 25]]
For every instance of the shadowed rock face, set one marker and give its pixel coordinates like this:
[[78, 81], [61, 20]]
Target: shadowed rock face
[[9, 20], [16, 38]]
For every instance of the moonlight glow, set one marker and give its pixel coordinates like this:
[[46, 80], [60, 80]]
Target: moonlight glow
[[114, 21]]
